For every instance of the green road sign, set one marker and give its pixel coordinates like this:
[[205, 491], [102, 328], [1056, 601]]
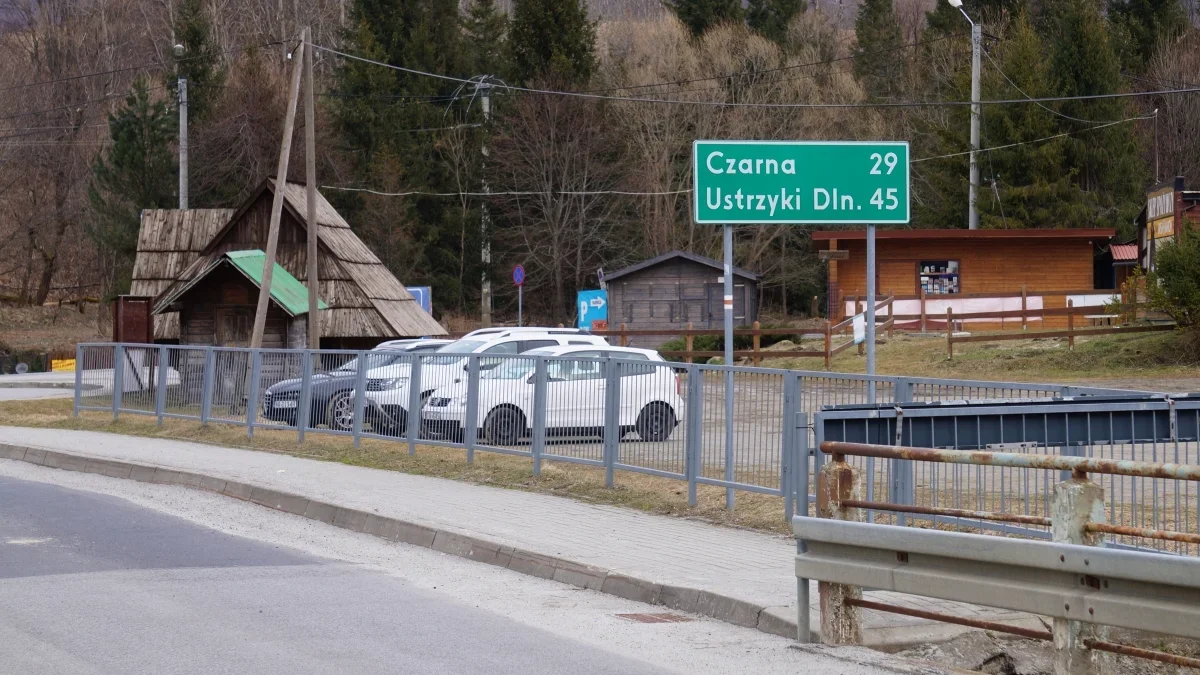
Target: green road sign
[[780, 182]]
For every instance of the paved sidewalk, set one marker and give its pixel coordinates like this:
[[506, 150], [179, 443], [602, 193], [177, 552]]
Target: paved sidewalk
[[754, 569]]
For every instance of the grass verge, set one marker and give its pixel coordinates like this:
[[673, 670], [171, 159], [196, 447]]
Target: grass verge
[[651, 494]]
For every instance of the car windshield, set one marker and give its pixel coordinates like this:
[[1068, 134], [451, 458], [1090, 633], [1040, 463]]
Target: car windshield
[[373, 359], [454, 353]]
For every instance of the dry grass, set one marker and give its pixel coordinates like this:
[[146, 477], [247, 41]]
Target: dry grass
[[48, 329], [646, 493]]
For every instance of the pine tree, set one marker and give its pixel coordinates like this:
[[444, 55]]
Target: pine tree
[[771, 17], [485, 29], [552, 38], [199, 61], [878, 37], [1143, 23], [699, 15], [136, 172]]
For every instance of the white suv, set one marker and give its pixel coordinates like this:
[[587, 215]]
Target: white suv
[[388, 390], [650, 403]]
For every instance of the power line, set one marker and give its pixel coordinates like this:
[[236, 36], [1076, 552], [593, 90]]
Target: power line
[[1043, 107], [528, 193], [78, 104], [156, 64], [1036, 140], [785, 106]]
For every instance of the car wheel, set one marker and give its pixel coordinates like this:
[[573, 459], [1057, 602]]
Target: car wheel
[[339, 413], [504, 426], [397, 426], [656, 422]]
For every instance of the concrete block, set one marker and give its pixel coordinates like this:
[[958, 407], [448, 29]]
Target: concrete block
[[282, 501], [237, 490], [679, 598], [188, 479], [471, 548], [12, 451], [320, 511], [53, 459], [35, 456], [417, 535], [350, 519], [382, 526], [72, 462], [533, 564], [729, 610], [109, 468], [142, 474], [631, 588], [165, 476], [212, 484], [583, 576], [778, 621]]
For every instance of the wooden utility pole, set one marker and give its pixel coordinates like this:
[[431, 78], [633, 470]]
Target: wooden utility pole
[[285, 151], [310, 179]]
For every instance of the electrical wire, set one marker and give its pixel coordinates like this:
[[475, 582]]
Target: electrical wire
[[1043, 107], [1036, 140], [156, 64], [785, 106], [78, 104]]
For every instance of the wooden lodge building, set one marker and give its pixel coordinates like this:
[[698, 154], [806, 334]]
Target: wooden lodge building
[[972, 271], [198, 265]]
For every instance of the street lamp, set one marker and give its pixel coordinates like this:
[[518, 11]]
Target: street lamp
[[976, 40], [183, 129]]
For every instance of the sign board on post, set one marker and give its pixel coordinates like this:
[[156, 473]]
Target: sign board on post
[[424, 297], [519, 280], [519, 275], [593, 307], [860, 328], [817, 182]]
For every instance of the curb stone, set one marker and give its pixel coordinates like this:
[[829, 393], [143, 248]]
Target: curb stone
[[771, 620]]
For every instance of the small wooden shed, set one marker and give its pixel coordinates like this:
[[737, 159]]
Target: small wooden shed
[[367, 304], [216, 307], [675, 289]]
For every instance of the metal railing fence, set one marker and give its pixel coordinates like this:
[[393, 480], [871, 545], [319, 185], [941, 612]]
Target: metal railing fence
[[656, 418]]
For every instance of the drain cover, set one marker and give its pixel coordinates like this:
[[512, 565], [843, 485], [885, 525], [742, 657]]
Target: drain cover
[[655, 618]]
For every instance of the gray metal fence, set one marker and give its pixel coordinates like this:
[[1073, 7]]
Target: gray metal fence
[[656, 418]]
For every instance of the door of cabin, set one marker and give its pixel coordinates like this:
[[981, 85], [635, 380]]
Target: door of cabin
[[234, 325]]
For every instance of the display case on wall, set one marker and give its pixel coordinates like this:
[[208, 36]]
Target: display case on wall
[[939, 277]]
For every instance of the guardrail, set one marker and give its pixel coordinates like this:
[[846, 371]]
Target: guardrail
[[1082, 586], [596, 412]]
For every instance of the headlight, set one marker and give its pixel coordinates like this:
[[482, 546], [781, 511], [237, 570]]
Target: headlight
[[395, 383]]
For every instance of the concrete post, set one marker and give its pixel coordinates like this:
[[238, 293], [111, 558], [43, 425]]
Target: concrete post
[[1077, 501], [841, 624]]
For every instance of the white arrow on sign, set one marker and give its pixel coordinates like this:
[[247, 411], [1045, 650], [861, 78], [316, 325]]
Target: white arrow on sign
[[597, 302]]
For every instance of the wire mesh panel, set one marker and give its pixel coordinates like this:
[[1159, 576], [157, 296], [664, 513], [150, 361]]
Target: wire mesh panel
[[504, 410], [185, 398], [279, 382], [329, 390], [229, 385], [568, 395], [650, 400], [139, 366], [96, 376], [386, 398]]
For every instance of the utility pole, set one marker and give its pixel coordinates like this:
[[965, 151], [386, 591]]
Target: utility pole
[[183, 135], [485, 286], [285, 152], [976, 46], [310, 179]]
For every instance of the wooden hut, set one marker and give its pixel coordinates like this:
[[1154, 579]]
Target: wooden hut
[[675, 289], [168, 242], [366, 303]]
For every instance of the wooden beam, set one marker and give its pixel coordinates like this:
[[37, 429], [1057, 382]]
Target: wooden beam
[[285, 152]]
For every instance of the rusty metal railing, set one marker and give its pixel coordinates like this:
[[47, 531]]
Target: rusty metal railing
[[1077, 519]]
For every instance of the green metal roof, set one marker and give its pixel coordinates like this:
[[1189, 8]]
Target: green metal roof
[[285, 288]]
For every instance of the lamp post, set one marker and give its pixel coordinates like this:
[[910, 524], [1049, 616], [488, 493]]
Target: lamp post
[[976, 40], [183, 131]]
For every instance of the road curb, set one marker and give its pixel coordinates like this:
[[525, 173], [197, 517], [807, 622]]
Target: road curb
[[681, 598]]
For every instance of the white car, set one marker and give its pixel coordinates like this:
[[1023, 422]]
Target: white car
[[387, 394], [650, 403]]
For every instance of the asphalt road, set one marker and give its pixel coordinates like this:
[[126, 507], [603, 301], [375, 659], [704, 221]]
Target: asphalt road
[[100, 575]]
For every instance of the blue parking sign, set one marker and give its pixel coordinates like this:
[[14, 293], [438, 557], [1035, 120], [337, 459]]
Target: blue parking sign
[[593, 306], [423, 296]]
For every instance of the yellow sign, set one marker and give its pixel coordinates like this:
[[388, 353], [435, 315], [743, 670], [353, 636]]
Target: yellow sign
[[1162, 228], [61, 365]]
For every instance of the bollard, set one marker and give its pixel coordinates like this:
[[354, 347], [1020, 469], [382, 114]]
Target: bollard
[[1077, 501], [841, 624]]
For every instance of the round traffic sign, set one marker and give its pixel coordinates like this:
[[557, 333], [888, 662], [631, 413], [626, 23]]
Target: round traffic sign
[[519, 275]]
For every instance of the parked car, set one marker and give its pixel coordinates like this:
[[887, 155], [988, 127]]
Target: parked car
[[500, 331], [332, 392], [388, 387], [650, 402]]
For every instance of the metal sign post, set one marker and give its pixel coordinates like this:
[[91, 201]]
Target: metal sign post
[[519, 280], [797, 182]]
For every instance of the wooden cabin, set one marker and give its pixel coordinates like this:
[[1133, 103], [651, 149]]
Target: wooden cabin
[[970, 271], [367, 304], [675, 289]]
